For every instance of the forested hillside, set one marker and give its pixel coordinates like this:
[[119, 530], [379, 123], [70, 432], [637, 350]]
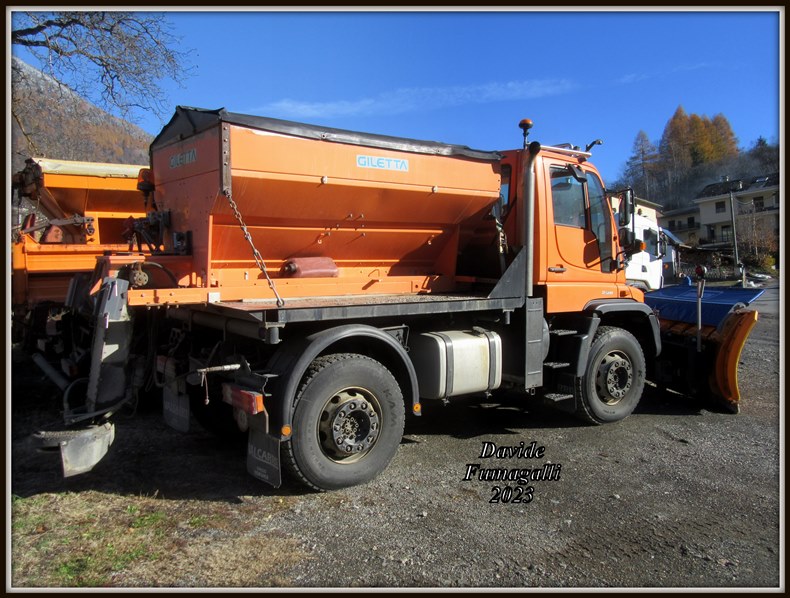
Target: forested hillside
[[693, 152], [52, 122]]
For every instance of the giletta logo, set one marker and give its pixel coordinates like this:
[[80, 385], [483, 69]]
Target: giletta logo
[[186, 157], [382, 163]]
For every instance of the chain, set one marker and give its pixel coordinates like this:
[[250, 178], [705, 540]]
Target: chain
[[255, 253]]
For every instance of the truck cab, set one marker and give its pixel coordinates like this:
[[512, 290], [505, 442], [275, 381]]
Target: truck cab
[[645, 268], [579, 255]]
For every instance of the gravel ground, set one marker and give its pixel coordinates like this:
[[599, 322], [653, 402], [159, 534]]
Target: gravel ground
[[676, 495]]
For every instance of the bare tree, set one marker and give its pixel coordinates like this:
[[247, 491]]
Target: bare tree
[[114, 59], [758, 236]]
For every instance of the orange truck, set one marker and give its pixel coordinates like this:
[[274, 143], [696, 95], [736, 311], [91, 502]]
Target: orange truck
[[313, 286], [85, 207]]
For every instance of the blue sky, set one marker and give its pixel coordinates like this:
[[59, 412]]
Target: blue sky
[[469, 77]]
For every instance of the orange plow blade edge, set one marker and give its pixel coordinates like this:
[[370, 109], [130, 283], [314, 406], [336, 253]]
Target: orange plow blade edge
[[702, 361], [711, 372], [724, 378]]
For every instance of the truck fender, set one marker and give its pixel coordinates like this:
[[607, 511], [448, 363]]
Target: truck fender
[[606, 308], [293, 358]]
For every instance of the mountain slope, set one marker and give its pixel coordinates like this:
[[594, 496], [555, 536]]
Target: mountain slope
[[51, 121]]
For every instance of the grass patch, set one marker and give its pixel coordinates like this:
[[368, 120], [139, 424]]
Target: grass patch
[[83, 540], [148, 520], [91, 539], [198, 521]]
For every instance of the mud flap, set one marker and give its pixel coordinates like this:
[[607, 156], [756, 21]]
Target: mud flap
[[175, 400], [263, 451], [175, 408], [80, 450]]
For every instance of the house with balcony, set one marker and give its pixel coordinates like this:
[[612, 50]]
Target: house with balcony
[[708, 222], [751, 205], [684, 223]]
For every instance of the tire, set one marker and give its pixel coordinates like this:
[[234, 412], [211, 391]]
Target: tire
[[347, 423], [614, 378]]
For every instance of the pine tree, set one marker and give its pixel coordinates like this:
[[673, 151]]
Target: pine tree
[[765, 156], [641, 166]]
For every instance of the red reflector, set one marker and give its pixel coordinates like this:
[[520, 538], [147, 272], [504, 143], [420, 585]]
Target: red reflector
[[248, 401]]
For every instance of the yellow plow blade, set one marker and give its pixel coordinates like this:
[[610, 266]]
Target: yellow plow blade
[[731, 340]]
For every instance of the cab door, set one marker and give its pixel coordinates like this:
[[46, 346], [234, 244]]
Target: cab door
[[580, 254]]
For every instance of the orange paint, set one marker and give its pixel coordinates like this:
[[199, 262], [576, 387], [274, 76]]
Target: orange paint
[[105, 192]]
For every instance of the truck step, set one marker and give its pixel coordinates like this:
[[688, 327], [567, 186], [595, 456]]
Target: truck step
[[560, 332], [555, 365], [556, 397]]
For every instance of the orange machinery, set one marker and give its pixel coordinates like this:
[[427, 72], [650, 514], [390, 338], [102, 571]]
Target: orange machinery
[[85, 207], [326, 218], [309, 286]]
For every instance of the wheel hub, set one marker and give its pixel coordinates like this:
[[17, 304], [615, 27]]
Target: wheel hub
[[349, 424], [614, 379]]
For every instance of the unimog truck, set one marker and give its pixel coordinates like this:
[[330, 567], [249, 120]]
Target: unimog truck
[[310, 287]]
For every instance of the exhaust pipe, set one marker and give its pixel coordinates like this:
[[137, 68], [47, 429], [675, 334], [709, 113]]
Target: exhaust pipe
[[528, 193]]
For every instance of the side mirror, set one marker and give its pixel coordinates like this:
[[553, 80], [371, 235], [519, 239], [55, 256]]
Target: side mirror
[[629, 242], [626, 210], [662, 247]]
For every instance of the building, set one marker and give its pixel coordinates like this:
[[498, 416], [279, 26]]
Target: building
[[684, 223], [643, 207], [756, 213], [648, 209], [709, 221]]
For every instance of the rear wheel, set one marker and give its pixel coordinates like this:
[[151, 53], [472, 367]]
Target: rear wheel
[[347, 422], [614, 378]]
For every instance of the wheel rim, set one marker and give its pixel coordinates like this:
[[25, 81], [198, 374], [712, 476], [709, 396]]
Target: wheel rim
[[349, 425], [614, 378]]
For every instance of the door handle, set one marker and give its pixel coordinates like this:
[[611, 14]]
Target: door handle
[[558, 269]]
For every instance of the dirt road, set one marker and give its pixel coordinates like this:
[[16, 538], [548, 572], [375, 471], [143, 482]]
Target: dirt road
[[676, 495]]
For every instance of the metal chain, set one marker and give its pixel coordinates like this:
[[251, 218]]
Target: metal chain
[[255, 253]]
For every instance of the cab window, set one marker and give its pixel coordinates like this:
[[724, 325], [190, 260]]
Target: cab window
[[505, 185], [599, 207], [651, 243], [567, 195]]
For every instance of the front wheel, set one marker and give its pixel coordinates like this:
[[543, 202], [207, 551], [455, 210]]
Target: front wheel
[[347, 423], [614, 379]]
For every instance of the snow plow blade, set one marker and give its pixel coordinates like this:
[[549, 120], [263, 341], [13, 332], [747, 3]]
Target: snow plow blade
[[702, 360]]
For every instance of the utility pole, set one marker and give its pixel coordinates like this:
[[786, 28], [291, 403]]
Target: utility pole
[[736, 186]]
